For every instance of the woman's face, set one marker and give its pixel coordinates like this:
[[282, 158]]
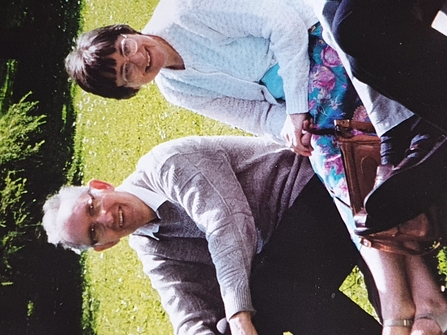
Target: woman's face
[[139, 58]]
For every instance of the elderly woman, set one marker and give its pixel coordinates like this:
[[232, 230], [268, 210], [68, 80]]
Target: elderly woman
[[209, 57], [258, 65]]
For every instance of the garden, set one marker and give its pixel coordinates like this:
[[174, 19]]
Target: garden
[[52, 133]]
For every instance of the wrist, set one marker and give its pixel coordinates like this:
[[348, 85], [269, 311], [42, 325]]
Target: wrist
[[241, 316]]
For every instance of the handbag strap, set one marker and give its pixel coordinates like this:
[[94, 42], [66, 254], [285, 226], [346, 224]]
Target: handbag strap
[[397, 248], [345, 128]]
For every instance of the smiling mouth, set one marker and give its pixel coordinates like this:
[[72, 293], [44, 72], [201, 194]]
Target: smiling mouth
[[121, 218], [148, 65]]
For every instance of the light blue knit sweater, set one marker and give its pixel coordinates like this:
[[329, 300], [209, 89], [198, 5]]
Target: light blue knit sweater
[[227, 46]]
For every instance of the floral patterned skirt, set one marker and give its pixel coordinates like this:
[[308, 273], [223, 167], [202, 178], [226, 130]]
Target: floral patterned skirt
[[331, 97]]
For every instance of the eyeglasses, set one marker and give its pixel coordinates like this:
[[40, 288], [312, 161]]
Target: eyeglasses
[[129, 47], [91, 210]]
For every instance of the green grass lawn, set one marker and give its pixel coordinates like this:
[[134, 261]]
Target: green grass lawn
[[111, 136]]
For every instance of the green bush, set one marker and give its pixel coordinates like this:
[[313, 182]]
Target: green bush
[[19, 149]]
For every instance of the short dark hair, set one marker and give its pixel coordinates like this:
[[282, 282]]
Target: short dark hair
[[91, 66]]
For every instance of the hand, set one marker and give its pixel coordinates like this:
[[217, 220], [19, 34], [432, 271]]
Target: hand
[[240, 324], [295, 134]]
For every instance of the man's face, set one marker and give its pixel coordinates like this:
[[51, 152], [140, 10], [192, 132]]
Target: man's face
[[139, 58], [102, 216]]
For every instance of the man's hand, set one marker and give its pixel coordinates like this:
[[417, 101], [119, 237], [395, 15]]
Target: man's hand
[[295, 134], [240, 324]]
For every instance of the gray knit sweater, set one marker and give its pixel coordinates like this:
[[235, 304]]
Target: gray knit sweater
[[224, 198]]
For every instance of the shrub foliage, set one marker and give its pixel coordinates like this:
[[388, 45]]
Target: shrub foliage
[[19, 149]]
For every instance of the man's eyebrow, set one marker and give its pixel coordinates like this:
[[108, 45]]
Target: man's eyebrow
[[89, 201]]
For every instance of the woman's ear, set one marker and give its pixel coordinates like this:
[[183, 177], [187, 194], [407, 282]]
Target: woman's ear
[[100, 185], [105, 246]]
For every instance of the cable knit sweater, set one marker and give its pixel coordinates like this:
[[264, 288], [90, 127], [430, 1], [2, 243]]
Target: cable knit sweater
[[227, 46], [227, 193]]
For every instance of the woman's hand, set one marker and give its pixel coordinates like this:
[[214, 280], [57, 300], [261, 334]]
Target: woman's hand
[[295, 134], [240, 324]]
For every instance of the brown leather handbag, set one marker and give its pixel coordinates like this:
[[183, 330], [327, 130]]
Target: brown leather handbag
[[419, 236], [361, 157], [360, 149]]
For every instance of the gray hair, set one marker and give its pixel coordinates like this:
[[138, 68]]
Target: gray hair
[[52, 221]]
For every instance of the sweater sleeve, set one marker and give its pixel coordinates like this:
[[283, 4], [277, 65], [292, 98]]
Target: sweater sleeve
[[204, 184], [280, 24], [185, 281], [257, 117]]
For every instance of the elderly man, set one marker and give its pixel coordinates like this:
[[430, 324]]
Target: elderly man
[[199, 211]]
